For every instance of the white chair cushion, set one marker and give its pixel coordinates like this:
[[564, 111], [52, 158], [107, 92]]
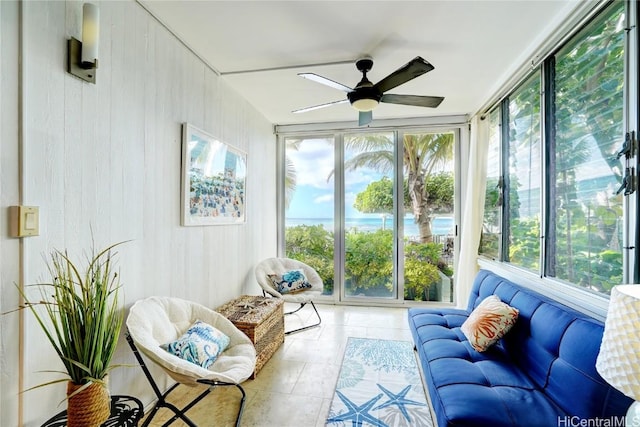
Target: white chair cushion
[[279, 266], [159, 320]]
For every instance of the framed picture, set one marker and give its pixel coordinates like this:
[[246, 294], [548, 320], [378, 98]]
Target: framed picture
[[214, 176]]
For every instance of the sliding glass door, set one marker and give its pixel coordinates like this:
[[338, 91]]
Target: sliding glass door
[[429, 219], [369, 216], [308, 198], [375, 217]]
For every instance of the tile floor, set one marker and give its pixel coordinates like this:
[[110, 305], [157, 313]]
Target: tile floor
[[295, 388]]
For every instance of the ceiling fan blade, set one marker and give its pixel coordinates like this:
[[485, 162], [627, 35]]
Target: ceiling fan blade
[[416, 100], [412, 69], [325, 81], [316, 107], [364, 118]]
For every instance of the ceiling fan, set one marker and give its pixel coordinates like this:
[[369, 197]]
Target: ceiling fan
[[366, 96]]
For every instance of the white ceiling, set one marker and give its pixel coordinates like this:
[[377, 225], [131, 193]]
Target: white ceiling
[[474, 45]]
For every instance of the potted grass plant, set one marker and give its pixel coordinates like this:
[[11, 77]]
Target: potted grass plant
[[79, 312]]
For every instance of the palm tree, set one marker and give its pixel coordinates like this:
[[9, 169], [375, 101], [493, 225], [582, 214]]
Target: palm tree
[[422, 154]]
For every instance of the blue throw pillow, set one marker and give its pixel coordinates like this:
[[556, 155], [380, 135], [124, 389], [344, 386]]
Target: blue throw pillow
[[200, 344], [290, 282]]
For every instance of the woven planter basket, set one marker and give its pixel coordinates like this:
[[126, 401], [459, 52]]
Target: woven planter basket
[[89, 408]]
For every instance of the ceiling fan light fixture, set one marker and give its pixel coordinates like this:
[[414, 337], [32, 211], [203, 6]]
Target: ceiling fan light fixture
[[364, 97], [365, 104]]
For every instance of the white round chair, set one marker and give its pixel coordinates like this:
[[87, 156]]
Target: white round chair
[[155, 321], [279, 266]]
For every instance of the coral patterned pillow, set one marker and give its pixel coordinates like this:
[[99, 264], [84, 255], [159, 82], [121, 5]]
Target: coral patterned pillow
[[488, 322]]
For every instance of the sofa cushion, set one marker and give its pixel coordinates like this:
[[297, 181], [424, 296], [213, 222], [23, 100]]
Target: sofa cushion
[[476, 405]]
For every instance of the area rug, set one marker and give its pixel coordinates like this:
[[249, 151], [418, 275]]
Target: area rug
[[379, 385]]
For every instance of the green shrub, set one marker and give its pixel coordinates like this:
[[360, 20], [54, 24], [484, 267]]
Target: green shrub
[[369, 261]]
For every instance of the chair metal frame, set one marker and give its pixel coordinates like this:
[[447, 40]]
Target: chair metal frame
[[179, 412], [302, 304]]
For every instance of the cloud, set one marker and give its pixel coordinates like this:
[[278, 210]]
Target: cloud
[[360, 178], [325, 198], [314, 163]]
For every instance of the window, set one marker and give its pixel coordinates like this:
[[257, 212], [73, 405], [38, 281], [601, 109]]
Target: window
[[491, 229], [429, 229], [309, 204], [369, 220], [568, 181], [585, 241], [522, 201]]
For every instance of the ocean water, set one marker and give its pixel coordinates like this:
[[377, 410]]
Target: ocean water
[[440, 225]]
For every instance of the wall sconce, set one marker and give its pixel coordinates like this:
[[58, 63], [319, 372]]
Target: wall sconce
[[82, 60]]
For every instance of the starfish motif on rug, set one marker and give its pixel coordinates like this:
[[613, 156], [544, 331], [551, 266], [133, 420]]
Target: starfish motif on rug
[[399, 400], [358, 414]]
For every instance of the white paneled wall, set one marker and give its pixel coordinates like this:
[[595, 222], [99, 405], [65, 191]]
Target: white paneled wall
[[103, 164], [9, 195]]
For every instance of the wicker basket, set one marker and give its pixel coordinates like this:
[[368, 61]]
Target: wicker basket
[[262, 320]]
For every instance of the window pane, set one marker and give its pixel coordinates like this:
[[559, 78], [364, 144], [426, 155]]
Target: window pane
[[523, 204], [309, 204], [429, 224], [369, 222], [589, 128], [491, 234]]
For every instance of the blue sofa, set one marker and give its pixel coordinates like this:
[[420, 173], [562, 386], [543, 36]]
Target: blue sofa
[[541, 373]]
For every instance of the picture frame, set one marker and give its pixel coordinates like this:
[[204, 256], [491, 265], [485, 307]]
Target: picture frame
[[214, 177]]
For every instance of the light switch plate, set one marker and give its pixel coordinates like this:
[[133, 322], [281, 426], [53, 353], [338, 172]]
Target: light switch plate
[[25, 221]]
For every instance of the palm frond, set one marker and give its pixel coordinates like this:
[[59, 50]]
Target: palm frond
[[381, 161], [369, 142], [290, 179]]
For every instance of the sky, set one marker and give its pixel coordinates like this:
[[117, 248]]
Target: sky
[[314, 194], [314, 198]]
